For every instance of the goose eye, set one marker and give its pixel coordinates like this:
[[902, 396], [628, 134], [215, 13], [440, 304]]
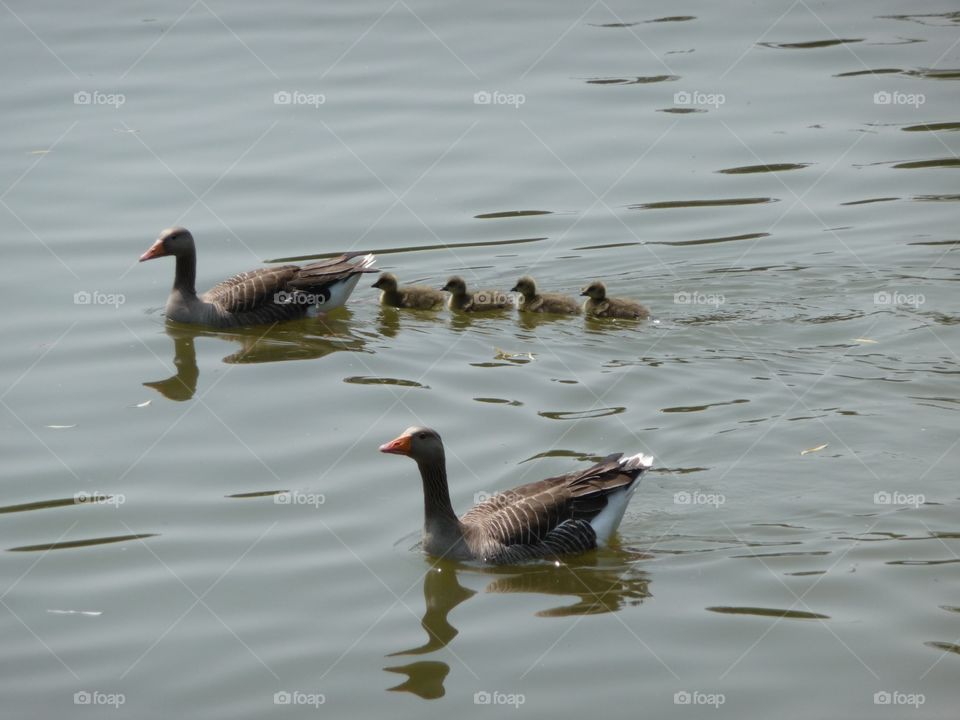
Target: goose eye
[[422, 436]]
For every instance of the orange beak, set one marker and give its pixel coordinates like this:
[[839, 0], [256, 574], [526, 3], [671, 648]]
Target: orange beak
[[156, 250], [398, 446]]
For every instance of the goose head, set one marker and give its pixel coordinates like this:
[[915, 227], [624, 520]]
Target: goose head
[[456, 285], [419, 443], [526, 286], [387, 281], [595, 290], [172, 241]]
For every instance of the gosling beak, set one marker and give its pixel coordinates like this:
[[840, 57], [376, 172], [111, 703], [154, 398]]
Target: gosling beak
[[156, 250], [514, 289], [376, 284], [397, 446], [583, 292]]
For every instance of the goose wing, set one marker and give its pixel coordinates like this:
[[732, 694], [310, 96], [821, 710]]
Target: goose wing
[[251, 290], [528, 514], [257, 289]]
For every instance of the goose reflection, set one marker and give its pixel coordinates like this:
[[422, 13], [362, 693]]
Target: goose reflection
[[599, 584], [307, 339]]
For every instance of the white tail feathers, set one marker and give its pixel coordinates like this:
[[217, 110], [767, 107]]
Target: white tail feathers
[[637, 462]]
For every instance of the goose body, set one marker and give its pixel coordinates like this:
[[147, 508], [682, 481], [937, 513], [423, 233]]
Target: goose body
[[533, 301], [599, 305], [479, 301], [557, 516], [416, 297], [265, 295]]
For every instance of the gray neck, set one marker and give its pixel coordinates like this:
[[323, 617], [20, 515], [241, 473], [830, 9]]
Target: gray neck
[[440, 522], [186, 274]]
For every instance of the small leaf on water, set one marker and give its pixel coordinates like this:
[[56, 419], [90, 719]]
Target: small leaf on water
[[865, 341], [143, 404], [818, 448], [61, 427], [91, 613]]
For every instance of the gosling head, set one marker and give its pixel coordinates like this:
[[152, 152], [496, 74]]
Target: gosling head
[[456, 285], [526, 286], [387, 281], [595, 291]]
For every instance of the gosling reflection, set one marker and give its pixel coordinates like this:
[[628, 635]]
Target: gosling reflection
[[599, 584], [307, 339]]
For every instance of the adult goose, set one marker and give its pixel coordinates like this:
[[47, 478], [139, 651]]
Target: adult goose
[[601, 306], [533, 301], [266, 295], [561, 515], [416, 297], [479, 301]]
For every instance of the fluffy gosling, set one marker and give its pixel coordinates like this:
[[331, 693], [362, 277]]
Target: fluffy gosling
[[554, 303], [599, 305], [416, 297], [479, 301]]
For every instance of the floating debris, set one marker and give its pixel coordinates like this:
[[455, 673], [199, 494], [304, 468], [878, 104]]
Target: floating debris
[[818, 448]]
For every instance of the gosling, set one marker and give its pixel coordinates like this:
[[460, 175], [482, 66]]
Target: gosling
[[599, 305], [535, 302], [479, 301], [416, 297]]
